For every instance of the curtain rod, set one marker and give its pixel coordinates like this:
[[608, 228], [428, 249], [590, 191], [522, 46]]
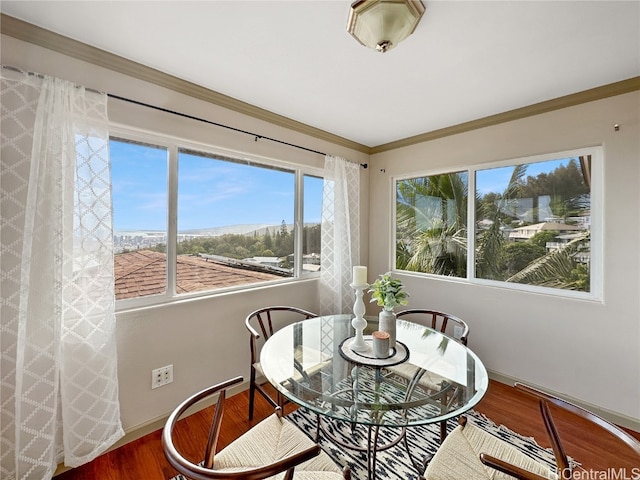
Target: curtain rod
[[191, 117], [210, 122]]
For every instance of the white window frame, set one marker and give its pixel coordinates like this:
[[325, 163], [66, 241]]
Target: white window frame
[[596, 267], [173, 145]]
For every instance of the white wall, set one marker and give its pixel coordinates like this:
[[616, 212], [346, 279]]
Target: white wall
[[205, 339], [587, 350], [584, 349]]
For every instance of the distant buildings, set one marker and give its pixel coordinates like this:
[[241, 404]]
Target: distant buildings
[[564, 234], [123, 242], [528, 231]]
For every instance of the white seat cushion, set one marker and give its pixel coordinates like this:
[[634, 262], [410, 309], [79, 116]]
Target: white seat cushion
[[430, 381], [459, 457], [271, 440]]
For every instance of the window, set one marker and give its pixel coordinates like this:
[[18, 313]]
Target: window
[[532, 222], [235, 220], [431, 228], [139, 196], [312, 222]]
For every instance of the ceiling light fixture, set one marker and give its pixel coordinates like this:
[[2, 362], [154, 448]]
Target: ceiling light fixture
[[383, 24]]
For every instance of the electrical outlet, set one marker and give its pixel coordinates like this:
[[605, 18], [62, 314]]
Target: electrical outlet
[[457, 331], [161, 376]]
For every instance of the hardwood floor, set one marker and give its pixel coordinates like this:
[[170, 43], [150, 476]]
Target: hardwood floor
[[143, 459]]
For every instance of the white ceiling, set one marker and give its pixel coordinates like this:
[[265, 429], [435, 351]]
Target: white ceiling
[[466, 60]]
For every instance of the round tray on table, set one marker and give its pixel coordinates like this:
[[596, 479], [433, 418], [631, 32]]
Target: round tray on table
[[397, 354]]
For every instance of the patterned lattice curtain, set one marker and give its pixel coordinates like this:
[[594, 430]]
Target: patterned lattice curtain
[[59, 386], [340, 241]]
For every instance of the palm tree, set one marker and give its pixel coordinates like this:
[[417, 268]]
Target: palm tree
[[559, 268], [432, 224]]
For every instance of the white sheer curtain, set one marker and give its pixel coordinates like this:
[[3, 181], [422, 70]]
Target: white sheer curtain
[[340, 234], [59, 369]]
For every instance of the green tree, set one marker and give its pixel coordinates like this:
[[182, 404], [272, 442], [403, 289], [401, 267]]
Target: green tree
[[160, 247], [559, 268], [284, 241], [240, 252], [541, 238], [566, 187], [268, 242], [580, 278], [517, 255], [311, 236], [225, 249], [283, 229], [257, 248]]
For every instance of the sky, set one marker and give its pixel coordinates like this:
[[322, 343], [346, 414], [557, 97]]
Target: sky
[[497, 179], [215, 193], [211, 193]]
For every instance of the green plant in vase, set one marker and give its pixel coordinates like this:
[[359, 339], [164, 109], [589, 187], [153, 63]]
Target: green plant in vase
[[389, 293]]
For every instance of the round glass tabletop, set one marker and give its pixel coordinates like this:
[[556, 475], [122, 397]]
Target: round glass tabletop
[[434, 378]]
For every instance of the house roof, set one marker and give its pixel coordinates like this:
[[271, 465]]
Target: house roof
[[143, 273], [554, 226]]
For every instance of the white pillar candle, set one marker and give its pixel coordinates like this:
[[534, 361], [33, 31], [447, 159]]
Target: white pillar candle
[[359, 275]]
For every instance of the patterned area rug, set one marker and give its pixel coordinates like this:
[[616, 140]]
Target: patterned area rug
[[394, 463]]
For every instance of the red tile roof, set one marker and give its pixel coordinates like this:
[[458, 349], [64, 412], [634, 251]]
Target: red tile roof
[[143, 273]]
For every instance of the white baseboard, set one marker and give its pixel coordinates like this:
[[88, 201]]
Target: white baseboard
[[613, 417], [140, 430]]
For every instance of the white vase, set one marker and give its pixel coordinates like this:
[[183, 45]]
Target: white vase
[[387, 323]]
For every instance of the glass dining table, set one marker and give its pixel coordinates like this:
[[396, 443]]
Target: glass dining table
[[426, 378]]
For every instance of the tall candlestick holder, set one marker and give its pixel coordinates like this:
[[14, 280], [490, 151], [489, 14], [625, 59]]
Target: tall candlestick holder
[[358, 322]]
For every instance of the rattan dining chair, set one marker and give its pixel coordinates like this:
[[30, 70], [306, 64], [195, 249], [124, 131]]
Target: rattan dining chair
[[431, 383], [443, 322], [274, 446], [469, 450], [261, 324]]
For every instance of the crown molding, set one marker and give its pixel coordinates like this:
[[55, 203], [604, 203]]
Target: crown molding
[[45, 38], [598, 93], [30, 33]]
